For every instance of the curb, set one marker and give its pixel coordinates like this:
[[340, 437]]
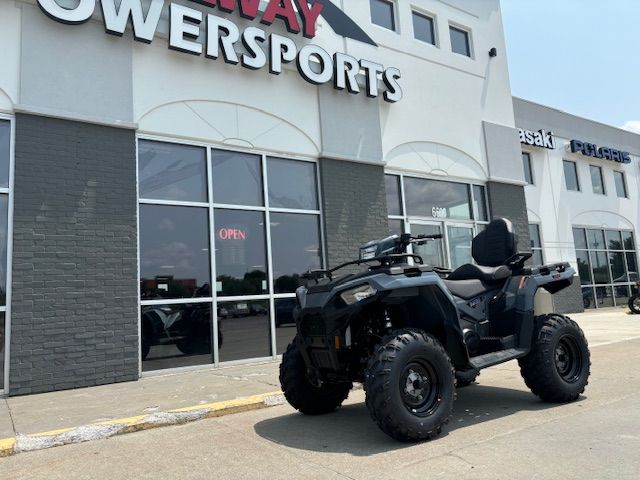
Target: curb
[[97, 431]]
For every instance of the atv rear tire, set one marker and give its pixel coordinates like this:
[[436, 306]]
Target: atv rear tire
[[410, 386], [634, 304], [558, 366], [301, 393]]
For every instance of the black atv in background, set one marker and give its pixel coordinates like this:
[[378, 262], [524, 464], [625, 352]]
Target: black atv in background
[[410, 331]]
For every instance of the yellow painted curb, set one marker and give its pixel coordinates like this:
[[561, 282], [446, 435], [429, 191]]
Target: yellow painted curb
[[66, 436], [6, 447]]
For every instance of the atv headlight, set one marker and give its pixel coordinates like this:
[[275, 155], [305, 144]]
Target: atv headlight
[[358, 294], [367, 253]]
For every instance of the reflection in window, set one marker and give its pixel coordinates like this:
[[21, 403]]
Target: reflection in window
[[169, 171], [423, 28], [174, 252], [479, 204], [460, 239], [570, 175], [595, 239], [621, 184], [285, 323], [2, 349], [392, 187], [459, 41], [4, 204], [295, 243], [435, 198], [600, 267], [536, 245], [244, 327], [596, 179], [526, 165], [614, 263], [241, 257], [382, 13], [176, 335], [237, 178], [292, 184], [5, 152], [432, 252], [396, 227]]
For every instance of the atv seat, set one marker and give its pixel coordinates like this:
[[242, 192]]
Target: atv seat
[[491, 249]]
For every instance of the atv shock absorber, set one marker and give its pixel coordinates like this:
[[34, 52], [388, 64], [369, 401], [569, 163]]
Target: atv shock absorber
[[388, 326]]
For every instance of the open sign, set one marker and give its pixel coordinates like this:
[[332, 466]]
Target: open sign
[[232, 234]]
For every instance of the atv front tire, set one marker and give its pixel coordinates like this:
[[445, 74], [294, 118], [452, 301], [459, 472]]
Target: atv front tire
[[634, 304], [410, 386], [301, 393], [558, 366]]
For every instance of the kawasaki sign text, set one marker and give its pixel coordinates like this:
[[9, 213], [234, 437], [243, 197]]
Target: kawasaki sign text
[[194, 32]]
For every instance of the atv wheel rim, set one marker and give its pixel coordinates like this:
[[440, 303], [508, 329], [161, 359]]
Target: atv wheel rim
[[636, 303], [568, 360], [419, 388]]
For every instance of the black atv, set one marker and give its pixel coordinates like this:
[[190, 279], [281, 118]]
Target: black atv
[[412, 332]]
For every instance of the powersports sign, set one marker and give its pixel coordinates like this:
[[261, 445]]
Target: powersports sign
[[220, 35]]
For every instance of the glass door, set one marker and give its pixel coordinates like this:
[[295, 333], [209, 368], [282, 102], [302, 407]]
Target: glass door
[[432, 252], [459, 238]]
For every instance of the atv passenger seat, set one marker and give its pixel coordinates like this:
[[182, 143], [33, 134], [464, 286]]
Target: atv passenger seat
[[491, 248]]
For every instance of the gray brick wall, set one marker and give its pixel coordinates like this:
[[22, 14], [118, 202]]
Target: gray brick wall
[[508, 201], [74, 305], [354, 207]]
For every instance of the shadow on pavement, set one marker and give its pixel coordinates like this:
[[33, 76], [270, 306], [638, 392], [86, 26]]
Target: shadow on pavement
[[351, 430]]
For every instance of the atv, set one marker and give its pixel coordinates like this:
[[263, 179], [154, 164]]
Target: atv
[[411, 333]]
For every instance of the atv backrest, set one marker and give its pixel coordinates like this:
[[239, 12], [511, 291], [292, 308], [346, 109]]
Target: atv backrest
[[495, 244]]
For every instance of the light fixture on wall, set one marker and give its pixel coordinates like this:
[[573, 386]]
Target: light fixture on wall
[[493, 52]]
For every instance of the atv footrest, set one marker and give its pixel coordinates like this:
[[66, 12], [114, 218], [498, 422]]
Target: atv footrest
[[494, 358]]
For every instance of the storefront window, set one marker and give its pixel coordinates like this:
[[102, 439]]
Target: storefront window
[[5, 152], [292, 184], [244, 330], [176, 335], [394, 200], [285, 325], [296, 249], [172, 172], [435, 198], [241, 254], [180, 281], [456, 210], [237, 178], [607, 261], [5, 159], [174, 252]]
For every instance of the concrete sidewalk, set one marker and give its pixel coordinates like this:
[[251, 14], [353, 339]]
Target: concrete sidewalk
[[196, 391]]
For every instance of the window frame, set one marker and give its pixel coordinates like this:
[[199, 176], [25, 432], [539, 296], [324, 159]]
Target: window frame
[[541, 247], [591, 252], [469, 38], [625, 187], [592, 168], [575, 169], [270, 297], [6, 309], [394, 15], [434, 26]]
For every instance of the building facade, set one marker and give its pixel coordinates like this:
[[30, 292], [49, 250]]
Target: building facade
[[582, 202], [168, 169]]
